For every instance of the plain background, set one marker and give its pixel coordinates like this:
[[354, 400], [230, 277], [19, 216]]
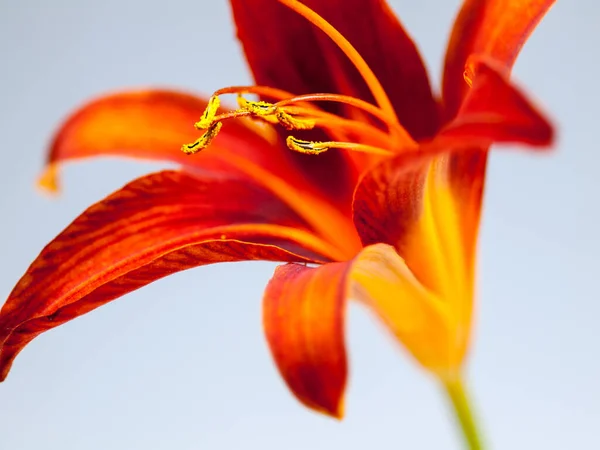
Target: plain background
[[182, 364]]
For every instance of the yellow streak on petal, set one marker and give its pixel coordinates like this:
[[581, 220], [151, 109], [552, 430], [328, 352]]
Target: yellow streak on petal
[[415, 315], [459, 292], [437, 257]]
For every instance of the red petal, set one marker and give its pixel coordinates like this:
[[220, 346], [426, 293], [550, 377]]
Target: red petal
[[428, 204], [494, 110], [493, 28], [154, 226], [408, 203], [304, 311], [389, 203], [147, 124], [389, 200], [286, 51], [154, 125], [304, 319]]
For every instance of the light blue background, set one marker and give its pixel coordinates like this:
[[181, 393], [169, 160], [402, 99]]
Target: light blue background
[[182, 364]]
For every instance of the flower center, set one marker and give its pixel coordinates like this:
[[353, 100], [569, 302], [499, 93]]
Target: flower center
[[300, 113]]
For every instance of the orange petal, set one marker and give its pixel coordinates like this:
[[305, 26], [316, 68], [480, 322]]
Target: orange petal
[[391, 199], [409, 203], [493, 28], [304, 315], [147, 124], [285, 51], [494, 110], [496, 30], [423, 322], [389, 205], [154, 125], [156, 225]]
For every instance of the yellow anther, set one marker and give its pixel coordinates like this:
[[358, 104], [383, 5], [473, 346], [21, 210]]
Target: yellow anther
[[241, 101], [269, 119], [293, 123], [292, 114], [315, 148], [308, 147], [260, 109], [265, 110], [209, 114], [203, 141]]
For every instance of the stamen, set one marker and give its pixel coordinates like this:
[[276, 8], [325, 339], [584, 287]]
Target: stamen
[[209, 113], [308, 147], [345, 46], [339, 127], [298, 112], [203, 141], [316, 148], [401, 134], [260, 109], [286, 111], [286, 114], [293, 123], [286, 98], [273, 114]]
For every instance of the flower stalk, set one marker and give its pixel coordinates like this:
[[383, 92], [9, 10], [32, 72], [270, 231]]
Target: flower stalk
[[463, 412]]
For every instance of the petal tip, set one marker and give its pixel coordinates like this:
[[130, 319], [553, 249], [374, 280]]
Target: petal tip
[[339, 412], [334, 410], [5, 365], [48, 180]]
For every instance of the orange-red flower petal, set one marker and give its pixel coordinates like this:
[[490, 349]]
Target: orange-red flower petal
[[419, 319], [142, 124], [494, 110], [304, 319], [286, 51], [156, 225], [496, 30], [416, 199], [389, 203], [492, 28], [408, 202], [303, 315], [154, 125]]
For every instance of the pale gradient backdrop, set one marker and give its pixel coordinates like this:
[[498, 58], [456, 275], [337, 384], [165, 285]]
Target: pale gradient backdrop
[[182, 364]]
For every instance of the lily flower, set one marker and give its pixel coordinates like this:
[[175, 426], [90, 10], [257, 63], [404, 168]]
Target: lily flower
[[348, 170]]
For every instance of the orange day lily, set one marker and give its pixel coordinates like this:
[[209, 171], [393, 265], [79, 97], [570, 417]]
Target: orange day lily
[[387, 213]]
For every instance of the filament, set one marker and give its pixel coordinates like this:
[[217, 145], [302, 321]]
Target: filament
[[345, 46]]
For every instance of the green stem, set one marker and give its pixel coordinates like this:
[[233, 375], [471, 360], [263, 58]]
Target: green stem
[[464, 415]]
